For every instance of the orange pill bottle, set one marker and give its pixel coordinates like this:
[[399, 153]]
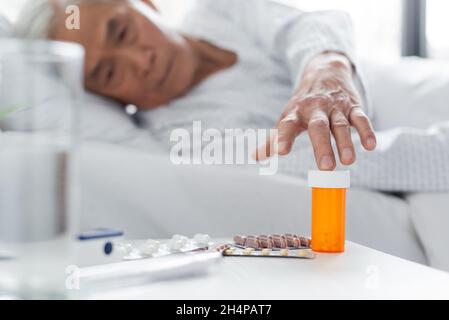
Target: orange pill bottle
[[328, 209]]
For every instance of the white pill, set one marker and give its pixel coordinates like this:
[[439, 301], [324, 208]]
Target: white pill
[[202, 239], [125, 248], [181, 238], [146, 251], [149, 248], [175, 245], [154, 243]]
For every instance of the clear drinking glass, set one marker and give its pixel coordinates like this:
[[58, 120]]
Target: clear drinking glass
[[40, 90]]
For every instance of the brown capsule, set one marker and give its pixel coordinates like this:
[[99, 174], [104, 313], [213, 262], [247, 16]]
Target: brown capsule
[[305, 242], [279, 236], [240, 240], [266, 243], [222, 248], [252, 242], [293, 242], [279, 242], [265, 237]]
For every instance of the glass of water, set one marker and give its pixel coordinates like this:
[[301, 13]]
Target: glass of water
[[41, 83]]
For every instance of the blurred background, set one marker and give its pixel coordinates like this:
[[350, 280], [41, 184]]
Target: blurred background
[[385, 29]]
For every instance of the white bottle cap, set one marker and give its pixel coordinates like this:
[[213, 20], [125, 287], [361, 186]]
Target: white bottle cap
[[329, 179]]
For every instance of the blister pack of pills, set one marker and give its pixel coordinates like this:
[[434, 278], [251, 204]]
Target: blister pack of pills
[[142, 249], [274, 241], [233, 251], [274, 246]]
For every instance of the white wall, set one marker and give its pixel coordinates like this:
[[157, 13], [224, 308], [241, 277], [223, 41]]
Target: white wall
[[437, 28], [173, 8], [10, 8], [377, 22]]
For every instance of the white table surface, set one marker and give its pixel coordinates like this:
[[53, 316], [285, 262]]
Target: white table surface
[[359, 273]]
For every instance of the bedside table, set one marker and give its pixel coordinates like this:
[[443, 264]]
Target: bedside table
[[359, 273]]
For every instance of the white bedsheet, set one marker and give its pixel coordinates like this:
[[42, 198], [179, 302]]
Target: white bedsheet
[[146, 196], [430, 216]]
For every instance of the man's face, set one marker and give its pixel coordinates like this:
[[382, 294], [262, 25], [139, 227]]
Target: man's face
[[131, 55]]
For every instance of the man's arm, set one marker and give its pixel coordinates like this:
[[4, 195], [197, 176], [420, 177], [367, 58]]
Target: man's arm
[[286, 33], [317, 49]]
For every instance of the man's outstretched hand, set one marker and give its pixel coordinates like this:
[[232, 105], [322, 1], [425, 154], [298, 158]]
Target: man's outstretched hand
[[326, 102]]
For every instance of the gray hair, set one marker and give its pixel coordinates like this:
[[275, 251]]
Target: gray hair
[[38, 17]]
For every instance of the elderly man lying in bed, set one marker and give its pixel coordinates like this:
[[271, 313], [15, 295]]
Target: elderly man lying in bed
[[236, 64]]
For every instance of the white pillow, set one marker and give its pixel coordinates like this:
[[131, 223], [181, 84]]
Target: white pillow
[[98, 118], [102, 119], [411, 92]]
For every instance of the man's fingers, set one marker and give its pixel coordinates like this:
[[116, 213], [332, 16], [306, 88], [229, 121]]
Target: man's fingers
[[288, 129], [342, 133], [319, 132], [362, 124], [264, 152]]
